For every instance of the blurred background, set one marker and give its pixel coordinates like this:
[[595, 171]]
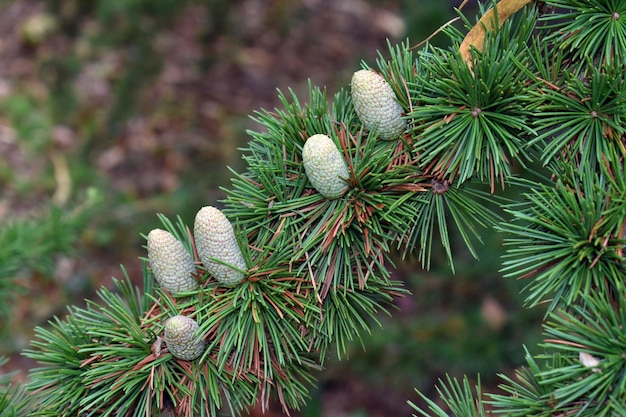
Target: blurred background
[[114, 110]]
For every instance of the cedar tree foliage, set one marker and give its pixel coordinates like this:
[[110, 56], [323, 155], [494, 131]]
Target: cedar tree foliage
[[531, 95]]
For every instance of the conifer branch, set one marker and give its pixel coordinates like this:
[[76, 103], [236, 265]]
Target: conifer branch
[[312, 263]]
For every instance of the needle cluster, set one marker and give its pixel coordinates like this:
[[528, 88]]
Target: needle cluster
[[297, 262]]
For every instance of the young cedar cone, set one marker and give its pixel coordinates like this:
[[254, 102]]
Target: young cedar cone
[[181, 338], [171, 264], [324, 166], [375, 104], [215, 239]]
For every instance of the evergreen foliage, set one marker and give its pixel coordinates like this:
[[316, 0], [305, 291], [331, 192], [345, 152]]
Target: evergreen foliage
[[14, 399], [567, 235], [546, 86], [32, 243]]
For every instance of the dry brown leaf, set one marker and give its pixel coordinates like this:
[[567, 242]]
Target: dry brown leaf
[[476, 36]]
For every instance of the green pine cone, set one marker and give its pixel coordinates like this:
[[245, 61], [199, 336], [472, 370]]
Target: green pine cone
[[324, 166], [171, 264], [215, 238], [376, 105], [181, 338]]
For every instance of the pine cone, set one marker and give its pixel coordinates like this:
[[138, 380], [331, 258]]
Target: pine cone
[[181, 338], [324, 166], [215, 238], [171, 264], [376, 105]]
